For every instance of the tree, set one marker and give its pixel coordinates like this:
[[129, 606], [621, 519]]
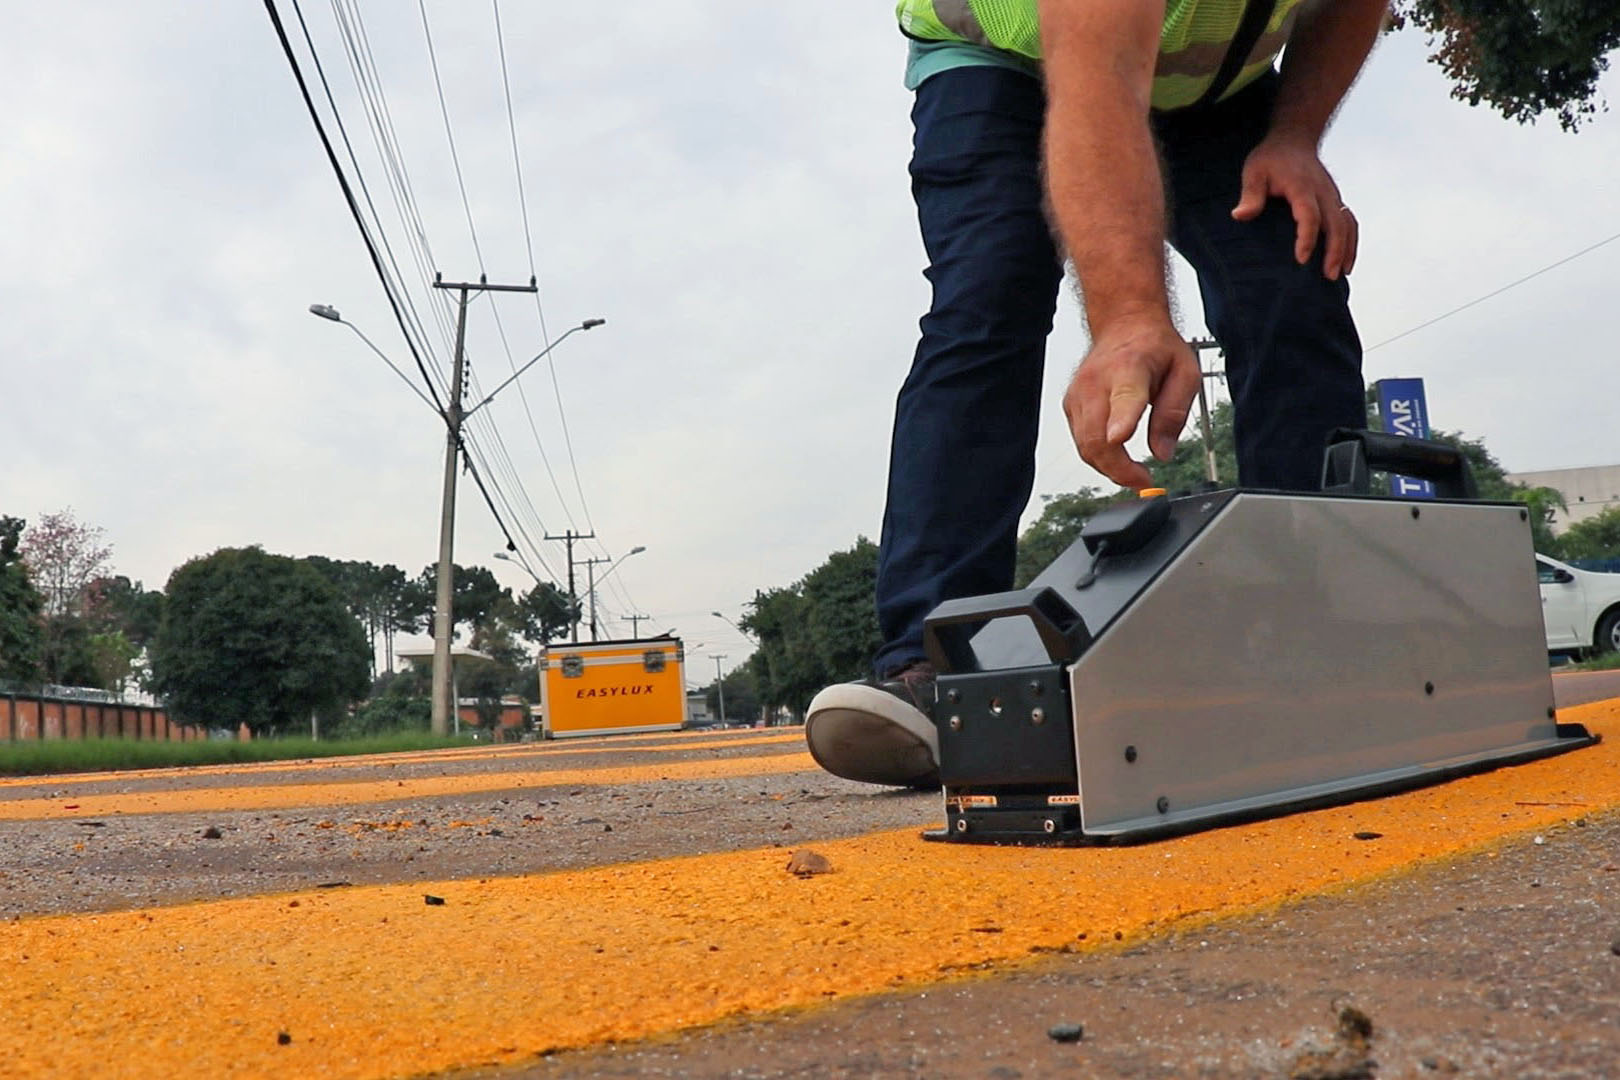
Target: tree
[[1594, 538], [790, 672], [256, 639], [742, 694], [545, 613], [1522, 57], [476, 593], [21, 607], [65, 557], [840, 611], [1188, 467]]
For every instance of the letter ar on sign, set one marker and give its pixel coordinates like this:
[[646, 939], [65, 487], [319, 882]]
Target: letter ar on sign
[[1403, 417]]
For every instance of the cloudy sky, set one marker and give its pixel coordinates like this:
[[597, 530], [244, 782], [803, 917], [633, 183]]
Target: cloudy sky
[[725, 184]]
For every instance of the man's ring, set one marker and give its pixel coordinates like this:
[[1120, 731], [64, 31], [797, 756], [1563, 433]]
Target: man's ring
[[1346, 209]]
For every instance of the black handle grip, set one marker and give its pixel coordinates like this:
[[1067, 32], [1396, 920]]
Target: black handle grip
[[1352, 455], [947, 629]]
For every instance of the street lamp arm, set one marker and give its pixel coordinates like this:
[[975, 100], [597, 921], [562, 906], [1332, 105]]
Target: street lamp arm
[[586, 325], [332, 315]]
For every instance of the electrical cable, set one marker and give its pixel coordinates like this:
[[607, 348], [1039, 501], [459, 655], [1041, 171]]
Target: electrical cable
[[1495, 292], [348, 192]]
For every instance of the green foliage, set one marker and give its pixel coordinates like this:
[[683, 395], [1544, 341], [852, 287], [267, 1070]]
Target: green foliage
[[120, 605], [1050, 535], [398, 703], [256, 639], [743, 702], [789, 668], [822, 629], [545, 613], [840, 611], [21, 605], [1522, 57], [1594, 538]]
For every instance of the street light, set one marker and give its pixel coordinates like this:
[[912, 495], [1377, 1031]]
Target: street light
[[586, 325], [735, 627], [506, 557]]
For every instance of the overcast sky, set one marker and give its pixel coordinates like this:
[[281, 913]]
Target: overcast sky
[[725, 184]]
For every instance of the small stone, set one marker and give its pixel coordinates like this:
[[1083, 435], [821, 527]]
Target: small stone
[[1539, 840], [432, 901], [1369, 835], [212, 833], [1066, 1033], [607, 828], [1441, 1065], [1614, 946], [282, 1038], [807, 863]]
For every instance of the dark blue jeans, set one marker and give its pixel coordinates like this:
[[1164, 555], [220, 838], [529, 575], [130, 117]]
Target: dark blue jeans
[[962, 462]]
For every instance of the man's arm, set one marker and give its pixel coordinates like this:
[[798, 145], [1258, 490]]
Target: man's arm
[[1329, 45], [1107, 197]]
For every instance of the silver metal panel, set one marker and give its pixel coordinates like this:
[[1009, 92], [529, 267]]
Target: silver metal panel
[[1286, 655]]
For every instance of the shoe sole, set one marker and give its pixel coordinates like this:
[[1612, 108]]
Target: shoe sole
[[865, 734]]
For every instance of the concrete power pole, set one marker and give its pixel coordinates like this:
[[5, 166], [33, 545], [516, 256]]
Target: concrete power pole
[[443, 684], [635, 624], [720, 685], [568, 538], [590, 587]]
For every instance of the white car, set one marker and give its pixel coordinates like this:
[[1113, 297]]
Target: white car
[[1581, 608]]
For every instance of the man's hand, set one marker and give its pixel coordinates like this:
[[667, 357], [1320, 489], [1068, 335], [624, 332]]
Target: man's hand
[[1285, 168], [1133, 362]]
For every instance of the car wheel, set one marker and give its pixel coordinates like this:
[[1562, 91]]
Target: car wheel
[[1608, 634]]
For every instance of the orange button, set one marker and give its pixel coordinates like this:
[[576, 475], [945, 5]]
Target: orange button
[[1148, 493]]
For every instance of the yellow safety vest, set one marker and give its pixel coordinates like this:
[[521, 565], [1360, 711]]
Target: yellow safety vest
[[1194, 44]]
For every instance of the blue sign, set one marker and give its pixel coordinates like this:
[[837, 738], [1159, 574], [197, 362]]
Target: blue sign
[[1405, 411]]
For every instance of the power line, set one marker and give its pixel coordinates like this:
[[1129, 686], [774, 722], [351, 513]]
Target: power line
[[348, 192], [1495, 292]]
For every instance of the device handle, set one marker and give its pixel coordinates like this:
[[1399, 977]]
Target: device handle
[[1352, 455], [947, 629]]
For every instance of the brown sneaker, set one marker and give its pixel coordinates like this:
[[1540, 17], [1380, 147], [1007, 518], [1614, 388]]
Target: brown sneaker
[[878, 732]]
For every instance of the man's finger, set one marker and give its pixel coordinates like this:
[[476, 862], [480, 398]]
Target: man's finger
[[1336, 223], [1253, 198], [1354, 244], [1307, 225], [1171, 407], [1126, 404]]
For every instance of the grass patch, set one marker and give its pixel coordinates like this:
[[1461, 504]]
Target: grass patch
[[1606, 662], [104, 755]]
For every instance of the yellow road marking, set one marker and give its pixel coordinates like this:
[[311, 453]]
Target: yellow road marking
[[349, 793], [371, 982], [616, 744]]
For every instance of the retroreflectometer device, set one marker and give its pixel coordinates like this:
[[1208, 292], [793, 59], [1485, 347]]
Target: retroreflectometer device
[[1236, 654]]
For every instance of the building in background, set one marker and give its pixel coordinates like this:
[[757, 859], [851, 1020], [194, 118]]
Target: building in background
[[1587, 492]]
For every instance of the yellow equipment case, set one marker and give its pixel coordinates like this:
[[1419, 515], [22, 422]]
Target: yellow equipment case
[[613, 687]]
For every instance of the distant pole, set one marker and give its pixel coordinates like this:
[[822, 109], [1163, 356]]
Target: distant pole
[[720, 685], [590, 588], [568, 538], [635, 624], [1198, 347]]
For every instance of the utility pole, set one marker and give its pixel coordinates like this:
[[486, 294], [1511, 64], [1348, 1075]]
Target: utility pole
[[590, 588], [568, 538], [720, 685], [443, 684], [1198, 347], [635, 624]]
